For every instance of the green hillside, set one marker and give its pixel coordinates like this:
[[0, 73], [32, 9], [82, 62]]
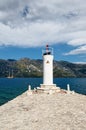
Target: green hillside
[[33, 68]]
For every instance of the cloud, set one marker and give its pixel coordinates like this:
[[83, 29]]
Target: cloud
[[31, 23], [30, 36], [79, 50], [80, 63], [80, 45], [77, 42]]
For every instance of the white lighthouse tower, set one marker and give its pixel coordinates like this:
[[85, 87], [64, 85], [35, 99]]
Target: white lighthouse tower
[[47, 66], [48, 69]]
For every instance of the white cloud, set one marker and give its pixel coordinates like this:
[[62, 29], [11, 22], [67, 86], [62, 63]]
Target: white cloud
[[79, 50], [34, 35], [30, 23], [80, 63], [77, 42]]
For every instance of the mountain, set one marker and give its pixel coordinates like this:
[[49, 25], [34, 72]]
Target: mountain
[[33, 68]]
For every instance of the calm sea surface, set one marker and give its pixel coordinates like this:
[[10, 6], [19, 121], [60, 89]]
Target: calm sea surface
[[11, 88]]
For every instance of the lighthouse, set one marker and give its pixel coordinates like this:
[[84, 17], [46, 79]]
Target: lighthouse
[[48, 57], [47, 65]]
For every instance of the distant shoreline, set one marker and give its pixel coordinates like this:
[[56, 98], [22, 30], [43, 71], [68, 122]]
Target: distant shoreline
[[26, 67]]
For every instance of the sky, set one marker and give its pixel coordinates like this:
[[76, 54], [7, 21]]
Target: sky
[[26, 26]]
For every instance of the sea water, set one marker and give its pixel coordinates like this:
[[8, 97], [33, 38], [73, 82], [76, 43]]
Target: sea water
[[11, 88]]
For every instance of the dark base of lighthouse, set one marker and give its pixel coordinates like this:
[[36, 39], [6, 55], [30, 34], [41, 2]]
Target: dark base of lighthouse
[[48, 88]]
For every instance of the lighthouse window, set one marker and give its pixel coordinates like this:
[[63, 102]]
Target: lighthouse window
[[47, 62]]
